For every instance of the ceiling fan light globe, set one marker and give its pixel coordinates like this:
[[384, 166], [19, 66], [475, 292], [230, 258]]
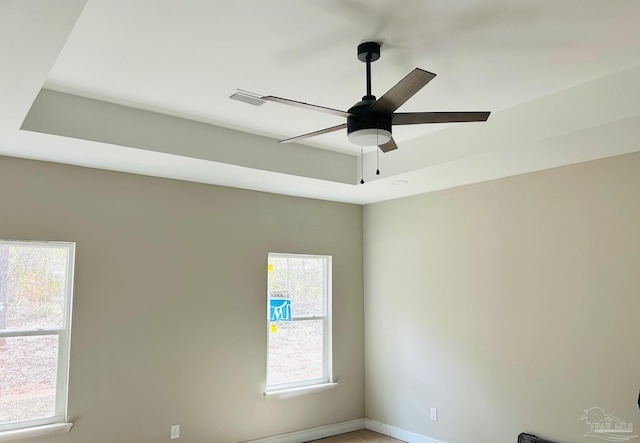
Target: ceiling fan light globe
[[369, 137]]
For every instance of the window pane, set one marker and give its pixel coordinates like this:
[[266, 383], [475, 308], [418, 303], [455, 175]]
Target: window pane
[[28, 377], [303, 278], [32, 287], [295, 352]]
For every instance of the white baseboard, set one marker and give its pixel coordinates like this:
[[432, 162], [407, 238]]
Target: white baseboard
[[315, 433], [346, 426], [398, 433]]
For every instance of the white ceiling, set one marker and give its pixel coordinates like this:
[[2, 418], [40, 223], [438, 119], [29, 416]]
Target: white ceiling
[[142, 86]]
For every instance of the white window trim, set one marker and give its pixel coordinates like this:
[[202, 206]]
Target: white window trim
[[35, 431], [301, 390], [58, 423], [314, 385]]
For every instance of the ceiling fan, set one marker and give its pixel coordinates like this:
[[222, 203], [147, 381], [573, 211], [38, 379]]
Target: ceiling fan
[[369, 121]]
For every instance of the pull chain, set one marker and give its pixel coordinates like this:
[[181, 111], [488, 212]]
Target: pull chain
[[377, 153], [361, 165]]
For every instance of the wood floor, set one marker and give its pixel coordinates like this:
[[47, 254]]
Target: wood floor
[[361, 436]]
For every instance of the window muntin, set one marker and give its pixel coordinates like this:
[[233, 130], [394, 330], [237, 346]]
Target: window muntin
[[36, 282], [299, 350]]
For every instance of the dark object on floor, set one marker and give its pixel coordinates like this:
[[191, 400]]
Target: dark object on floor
[[528, 438], [639, 400]]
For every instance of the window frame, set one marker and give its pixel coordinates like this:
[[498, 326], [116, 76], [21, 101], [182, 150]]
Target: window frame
[[64, 341], [326, 317]]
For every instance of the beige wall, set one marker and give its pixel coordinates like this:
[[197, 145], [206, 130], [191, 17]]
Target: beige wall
[[169, 303], [511, 305]]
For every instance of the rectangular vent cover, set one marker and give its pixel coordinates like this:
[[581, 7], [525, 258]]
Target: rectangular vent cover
[[247, 97]]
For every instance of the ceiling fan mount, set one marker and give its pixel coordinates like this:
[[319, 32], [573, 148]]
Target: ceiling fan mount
[[369, 122], [368, 51]]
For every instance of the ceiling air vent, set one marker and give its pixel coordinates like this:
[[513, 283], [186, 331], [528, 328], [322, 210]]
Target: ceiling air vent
[[247, 97]]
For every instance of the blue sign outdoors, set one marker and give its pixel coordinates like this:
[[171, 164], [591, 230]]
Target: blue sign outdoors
[[280, 309]]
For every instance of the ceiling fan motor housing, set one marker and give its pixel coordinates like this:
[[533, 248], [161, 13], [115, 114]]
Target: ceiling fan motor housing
[[362, 118]]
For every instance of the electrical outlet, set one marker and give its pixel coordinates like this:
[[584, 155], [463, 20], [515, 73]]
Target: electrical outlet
[[175, 431], [434, 414]]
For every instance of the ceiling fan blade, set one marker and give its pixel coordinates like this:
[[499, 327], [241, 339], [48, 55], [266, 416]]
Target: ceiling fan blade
[[286, 101], [413, 118], [388, 146], [402, 91], [313, 134]]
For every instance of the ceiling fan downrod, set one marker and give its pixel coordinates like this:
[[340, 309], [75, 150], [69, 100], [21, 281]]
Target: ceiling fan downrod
[[368, 52]]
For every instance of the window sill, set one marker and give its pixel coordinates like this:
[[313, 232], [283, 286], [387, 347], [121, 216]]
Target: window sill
[[35, 431], [302, 390]]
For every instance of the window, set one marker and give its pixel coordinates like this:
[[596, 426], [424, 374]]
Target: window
[[298, 321], [36, 280]]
